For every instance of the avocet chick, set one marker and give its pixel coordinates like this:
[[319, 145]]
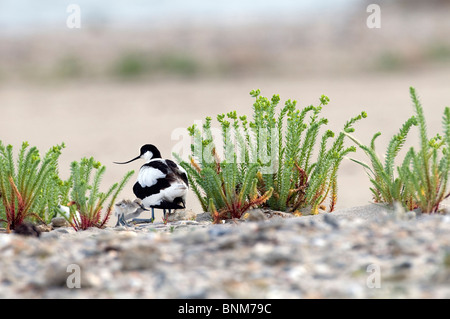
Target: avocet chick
[[127, 209]]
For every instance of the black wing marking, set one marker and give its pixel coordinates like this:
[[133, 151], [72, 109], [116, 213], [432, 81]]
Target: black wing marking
[[159, 165], [142, 192], [176, 169], [178, 203]]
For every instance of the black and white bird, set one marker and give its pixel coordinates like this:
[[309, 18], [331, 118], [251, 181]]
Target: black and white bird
[[161, 183]]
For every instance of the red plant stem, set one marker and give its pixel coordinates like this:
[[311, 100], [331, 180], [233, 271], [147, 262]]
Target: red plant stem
[[106, 218], [9, 214], [85, 222], [75, 224], [12, 213]]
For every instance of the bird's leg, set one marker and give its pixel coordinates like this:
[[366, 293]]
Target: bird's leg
[[164, 212], [144, 220], [123, 222], [119, 221]]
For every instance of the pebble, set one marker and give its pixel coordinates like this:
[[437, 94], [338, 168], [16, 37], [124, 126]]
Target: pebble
[[59, 222], [254, 215], [265, 255]]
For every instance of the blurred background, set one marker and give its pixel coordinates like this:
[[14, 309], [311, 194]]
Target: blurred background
[[137, 71]]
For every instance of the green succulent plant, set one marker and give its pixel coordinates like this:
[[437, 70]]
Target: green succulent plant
[[30, 187], [87, 201], [421, 181], [267, 161]]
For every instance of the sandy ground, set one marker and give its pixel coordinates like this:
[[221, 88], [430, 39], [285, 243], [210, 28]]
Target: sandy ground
[[111, 120]]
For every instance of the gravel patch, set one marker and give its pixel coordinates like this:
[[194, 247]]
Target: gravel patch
[[362, 252]]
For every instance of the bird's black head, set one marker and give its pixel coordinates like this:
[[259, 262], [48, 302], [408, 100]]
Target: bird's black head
[[153, 152], [147, 152]]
